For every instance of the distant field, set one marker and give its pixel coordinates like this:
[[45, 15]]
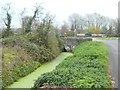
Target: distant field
[[110, 38]]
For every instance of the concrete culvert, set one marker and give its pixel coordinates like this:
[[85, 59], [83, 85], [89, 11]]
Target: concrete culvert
[[66, 49]]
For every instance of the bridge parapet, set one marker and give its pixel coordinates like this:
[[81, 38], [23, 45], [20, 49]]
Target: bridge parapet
[[72, 42]]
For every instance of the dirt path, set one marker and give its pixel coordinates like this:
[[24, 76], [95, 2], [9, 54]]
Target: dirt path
[[28, 81]]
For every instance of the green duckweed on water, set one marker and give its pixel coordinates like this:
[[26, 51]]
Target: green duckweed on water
[[28, 81]]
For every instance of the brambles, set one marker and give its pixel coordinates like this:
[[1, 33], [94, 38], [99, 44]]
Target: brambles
[[87, 68]]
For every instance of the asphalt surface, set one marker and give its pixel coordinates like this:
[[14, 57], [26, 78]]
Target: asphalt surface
[[113, 48]]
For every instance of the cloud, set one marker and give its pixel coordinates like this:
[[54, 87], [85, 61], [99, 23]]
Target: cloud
[[63, 8]]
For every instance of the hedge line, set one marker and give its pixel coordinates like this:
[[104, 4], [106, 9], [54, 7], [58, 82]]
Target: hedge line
[[87, 68]]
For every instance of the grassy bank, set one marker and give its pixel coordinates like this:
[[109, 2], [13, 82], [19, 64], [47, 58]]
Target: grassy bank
[[16, 64], [87, 68], [24, 53]]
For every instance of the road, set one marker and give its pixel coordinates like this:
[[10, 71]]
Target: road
[[113, 48]]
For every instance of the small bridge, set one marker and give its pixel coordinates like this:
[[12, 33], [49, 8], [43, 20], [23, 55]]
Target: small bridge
[[72, 42]]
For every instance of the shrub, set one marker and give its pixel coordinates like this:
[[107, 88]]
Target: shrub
[[6, 33], [38, 53]]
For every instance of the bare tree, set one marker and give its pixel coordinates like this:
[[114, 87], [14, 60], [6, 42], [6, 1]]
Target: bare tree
[[23, 19], [7, 20], [78, 22], [90, 20], [95, 20], [64, 29], [74, 20], [48, 20], [93, 23], [37, 11], [113, 27]]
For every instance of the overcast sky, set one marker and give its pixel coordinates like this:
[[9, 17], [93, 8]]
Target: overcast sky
[[63, 8]]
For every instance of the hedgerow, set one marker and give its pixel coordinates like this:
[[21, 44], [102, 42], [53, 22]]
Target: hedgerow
[[87, 68]]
